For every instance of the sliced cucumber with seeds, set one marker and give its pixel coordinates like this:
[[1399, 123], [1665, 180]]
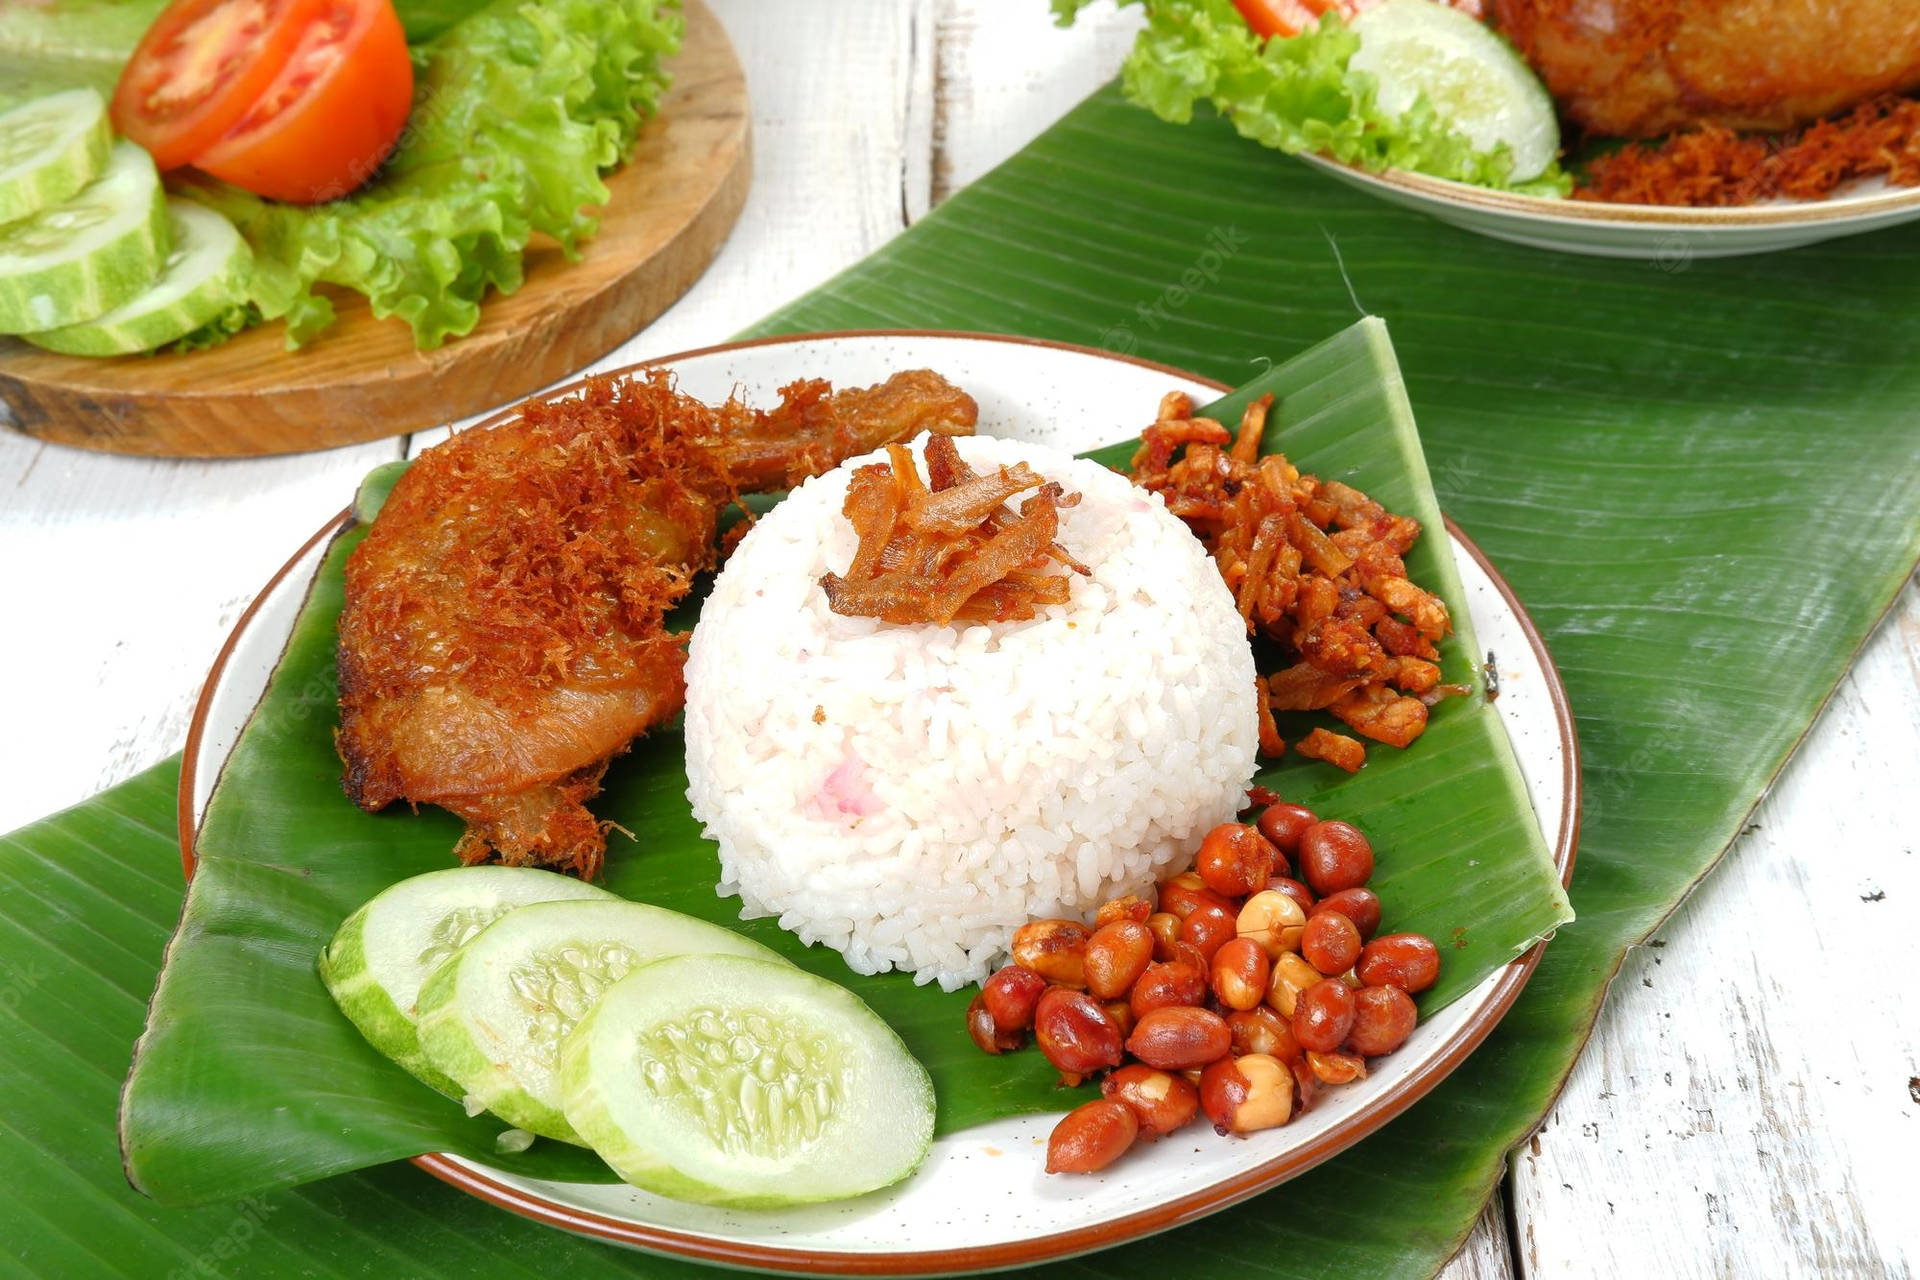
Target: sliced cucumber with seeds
[[1473, 78], [733, 1081], [82, 258], [49, 149], [205, 273], [385, 951], [493, 1018]]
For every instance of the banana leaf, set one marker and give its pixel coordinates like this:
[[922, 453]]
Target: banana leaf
[[1702, 480], [249, 1079]]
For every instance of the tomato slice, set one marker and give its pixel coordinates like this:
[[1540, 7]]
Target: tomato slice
[[331, 115], [1281, 18], [199, 67]]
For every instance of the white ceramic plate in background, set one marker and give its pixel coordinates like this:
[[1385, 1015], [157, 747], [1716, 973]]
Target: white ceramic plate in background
[[981, 1200], [1664, 234]]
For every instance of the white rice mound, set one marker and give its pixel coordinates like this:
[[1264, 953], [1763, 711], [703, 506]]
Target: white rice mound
[[911, 795]]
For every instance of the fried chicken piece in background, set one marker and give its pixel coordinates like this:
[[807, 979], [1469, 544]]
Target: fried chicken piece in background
[[1641, 68]]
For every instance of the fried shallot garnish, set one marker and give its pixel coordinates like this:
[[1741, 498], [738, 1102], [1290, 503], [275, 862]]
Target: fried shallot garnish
[[504, 630], [1316, 567], [949, 548]]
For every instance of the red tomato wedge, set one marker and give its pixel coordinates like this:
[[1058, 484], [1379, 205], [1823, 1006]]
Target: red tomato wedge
[[199, 67], [1280, 17], [330, 116]]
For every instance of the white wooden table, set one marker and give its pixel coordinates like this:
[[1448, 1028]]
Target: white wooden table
[[1750, 1102]]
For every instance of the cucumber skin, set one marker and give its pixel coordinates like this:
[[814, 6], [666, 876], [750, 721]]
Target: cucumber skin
[[452, 1051], [587, 1109], [87, 339], [56, 184], [384, 1024], [102, 291]]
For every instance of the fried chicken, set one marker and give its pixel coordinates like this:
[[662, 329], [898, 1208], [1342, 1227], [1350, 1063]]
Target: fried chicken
[[1640, 68], [503, 632]]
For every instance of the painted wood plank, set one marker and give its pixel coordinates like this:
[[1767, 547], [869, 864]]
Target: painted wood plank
[[120, 579], [1486, 1255], [1750, 1102]]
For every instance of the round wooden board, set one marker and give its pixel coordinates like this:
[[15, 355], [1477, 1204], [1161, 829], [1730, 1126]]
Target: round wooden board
[[671, 208]]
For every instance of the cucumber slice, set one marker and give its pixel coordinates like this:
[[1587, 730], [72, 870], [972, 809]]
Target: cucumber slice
[[494, 1016], [49, 149], [733, 1081], [83, 258], [1473, 78], [205, 273], [385, 951]]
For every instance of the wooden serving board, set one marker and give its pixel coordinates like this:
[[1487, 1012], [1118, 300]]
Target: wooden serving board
[[671, 208]]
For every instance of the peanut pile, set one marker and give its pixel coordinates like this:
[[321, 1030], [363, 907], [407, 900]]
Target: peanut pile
[[1240, 993]]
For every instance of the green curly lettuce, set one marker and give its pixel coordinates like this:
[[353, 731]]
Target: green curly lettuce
[[1296, 94], [517, 110]]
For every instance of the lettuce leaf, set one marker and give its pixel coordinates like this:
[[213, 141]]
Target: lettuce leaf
[[517, 110], [1296, 94]]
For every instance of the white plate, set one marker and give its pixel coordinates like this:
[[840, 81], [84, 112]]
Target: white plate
[[982, 1201], [1666, 235]]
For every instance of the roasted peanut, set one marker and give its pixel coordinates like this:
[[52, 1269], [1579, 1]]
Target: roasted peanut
[[1091, 1136], [987, 1036], [1120, 1014], [1282, 825], [1075, 1032], [1291, 975], [1306, 1085], [1239, 974], [1234, 860], [1207, 928], [1404, 960], [1165, 986], [1186, 891], [1301, 895], [1054, 949], [1262, 1030], [1116, 955], [1247, 1093], [1161, 1101], [1165, 927], [1179, 1037], [1323, 1015], [1334, 856], [1383, 1018], [1330, 942], [1184, 952], [1010, 995], [1131, 907], [1273, 920], [1336, 1068], [1362, 906]]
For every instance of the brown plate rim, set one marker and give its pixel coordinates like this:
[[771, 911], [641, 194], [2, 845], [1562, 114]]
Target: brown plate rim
[[1646, 216], [1047, 1248]]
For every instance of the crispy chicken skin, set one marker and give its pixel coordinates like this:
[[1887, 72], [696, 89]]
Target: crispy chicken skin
[[502, 633], [1640, 68]]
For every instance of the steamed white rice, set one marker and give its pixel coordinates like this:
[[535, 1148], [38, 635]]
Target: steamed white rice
[[911, 795]]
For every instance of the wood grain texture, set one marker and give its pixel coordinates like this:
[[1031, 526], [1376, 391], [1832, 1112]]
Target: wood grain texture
[[671, 209]]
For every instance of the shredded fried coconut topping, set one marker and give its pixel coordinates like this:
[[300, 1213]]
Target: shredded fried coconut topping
[[949, 548], [1315, 567], [1711, 165]]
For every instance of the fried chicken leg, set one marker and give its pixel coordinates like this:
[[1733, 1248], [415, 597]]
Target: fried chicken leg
[[502, 637], [1640, 68]]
